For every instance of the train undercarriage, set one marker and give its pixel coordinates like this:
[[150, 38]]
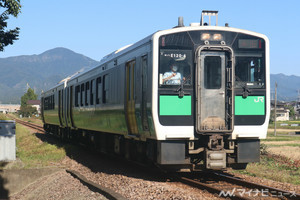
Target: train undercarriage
[[208, 152]]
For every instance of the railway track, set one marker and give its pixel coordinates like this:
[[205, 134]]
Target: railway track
[[31, 125], [109, 194], [235, 188], [219, 184]]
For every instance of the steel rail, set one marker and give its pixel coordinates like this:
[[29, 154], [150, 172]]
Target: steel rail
[[208, 187], [31, 125]]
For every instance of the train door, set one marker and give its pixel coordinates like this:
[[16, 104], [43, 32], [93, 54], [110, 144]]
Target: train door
[[130, 98], [67, 107], [144, 116], [61, 107], [71, 106], [214, 92]]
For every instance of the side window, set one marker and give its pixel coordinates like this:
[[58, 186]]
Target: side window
[[91, 93], [46, 103], [53, 104], [98, 90], [87, 89], [82, 94], [77, 91], [105, 89]]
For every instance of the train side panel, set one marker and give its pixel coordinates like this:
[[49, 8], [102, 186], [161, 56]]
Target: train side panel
[[109, 112], [50, 107]]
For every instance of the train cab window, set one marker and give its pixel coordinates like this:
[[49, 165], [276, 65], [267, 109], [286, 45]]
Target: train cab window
[[87, 90], [82, 94], [91, 93], [249, 71], [98, 90], [77, 96], [175, 66]]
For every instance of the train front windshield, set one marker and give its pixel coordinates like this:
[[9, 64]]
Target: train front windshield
[[177, 64], [176, 57]]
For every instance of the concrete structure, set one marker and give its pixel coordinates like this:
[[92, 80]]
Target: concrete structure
[[282, 113], [9, 108], [7, 140]]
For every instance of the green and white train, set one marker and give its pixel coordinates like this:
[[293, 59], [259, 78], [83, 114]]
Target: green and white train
[[191, 97]]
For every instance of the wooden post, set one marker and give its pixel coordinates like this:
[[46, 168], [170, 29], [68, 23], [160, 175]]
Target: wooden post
[[275, 108]]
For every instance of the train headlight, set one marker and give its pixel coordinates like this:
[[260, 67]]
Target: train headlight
[[217, 37], [211, 37], [205, 36]]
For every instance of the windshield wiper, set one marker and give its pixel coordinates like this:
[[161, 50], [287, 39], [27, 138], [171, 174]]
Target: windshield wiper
[[244, 85], [180, 89]]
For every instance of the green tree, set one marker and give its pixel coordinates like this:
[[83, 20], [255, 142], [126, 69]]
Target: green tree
[[27, 110], [9, 7], [29, 95], [292, 112]]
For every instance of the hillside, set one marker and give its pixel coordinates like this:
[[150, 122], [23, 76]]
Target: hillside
[[39, 71], [287, 87], [45, 70]]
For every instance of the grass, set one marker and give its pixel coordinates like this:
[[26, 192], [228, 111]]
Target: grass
[[33, 119], [288, 126], [270, 168], [3, 117], [280, 161], [34, 153]]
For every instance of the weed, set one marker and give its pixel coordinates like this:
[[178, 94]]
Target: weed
[[34, 153], [263, 149]]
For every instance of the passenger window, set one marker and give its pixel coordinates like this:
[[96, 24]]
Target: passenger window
[[87, 88], [77, 91], [98, 90], [105, 90], [53, 103], [82, 94], [91, 93]]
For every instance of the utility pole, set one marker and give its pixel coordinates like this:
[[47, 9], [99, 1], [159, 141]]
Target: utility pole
[[275, 108]]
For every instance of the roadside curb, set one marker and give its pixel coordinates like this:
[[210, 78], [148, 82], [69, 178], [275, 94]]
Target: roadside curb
[[108, 193]]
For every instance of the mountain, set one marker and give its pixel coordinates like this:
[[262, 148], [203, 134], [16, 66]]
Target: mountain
[[45, 70], [39, 71], [287, 87]]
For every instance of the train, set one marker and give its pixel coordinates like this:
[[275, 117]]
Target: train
[[191, 98]]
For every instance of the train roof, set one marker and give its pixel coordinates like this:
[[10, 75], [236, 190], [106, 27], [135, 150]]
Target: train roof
[[115, 54]]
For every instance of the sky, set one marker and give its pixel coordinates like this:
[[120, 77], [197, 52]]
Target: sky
[[96, 28]]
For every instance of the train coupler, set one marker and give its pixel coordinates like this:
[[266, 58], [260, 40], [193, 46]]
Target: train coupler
[[216, 154], [215, 159]]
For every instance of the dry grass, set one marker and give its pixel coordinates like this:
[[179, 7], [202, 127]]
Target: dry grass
[[281, 161], [287, 151], [280, 142], [270, 169]]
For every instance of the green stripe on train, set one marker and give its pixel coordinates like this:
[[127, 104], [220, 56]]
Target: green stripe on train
[[252, 105], [173, 105]]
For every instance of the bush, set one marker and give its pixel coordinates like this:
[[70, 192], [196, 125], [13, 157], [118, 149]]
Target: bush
[[263, 149], [27, 111]]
